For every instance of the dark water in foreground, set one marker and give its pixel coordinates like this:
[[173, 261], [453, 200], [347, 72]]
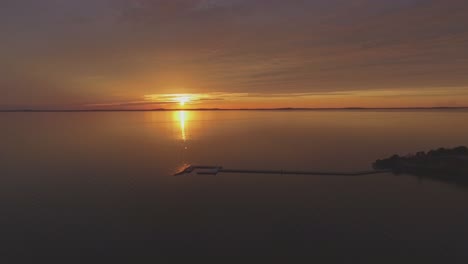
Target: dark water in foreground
[[94, 186]]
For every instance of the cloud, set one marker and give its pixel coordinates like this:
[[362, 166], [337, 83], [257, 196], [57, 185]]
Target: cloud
[[210, 4]]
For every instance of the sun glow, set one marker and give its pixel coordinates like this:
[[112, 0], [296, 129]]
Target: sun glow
[[174, 100], [182, 100]]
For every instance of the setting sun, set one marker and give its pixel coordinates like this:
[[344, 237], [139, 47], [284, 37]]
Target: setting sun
[[183, 100], [180, 99]]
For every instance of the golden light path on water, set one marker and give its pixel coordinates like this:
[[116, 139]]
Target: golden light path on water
[[181, 118]]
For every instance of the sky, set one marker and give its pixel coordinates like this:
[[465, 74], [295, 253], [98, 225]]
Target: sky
[[148, 54]]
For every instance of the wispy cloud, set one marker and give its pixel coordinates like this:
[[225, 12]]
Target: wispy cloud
[[211, 4]]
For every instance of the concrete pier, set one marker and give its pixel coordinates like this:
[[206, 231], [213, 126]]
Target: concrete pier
[[214, 170]]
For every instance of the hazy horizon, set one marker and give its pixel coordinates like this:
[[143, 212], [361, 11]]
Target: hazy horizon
[[232, 109]]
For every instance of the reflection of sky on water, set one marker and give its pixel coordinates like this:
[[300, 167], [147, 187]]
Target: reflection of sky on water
[[114, 171]]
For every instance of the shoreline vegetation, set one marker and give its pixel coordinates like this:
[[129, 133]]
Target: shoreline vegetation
[[449, 165], [235, 109]]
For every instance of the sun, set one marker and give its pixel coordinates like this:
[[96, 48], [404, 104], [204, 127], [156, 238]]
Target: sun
[[182, 100], [174, 99]]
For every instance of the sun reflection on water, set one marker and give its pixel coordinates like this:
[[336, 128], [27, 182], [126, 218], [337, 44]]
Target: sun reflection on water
[[182, 117]]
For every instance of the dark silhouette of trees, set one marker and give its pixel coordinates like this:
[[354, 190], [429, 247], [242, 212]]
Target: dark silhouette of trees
[[442, 162]]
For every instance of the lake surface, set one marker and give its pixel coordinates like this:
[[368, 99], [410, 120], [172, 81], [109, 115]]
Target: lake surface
[[95, 186]]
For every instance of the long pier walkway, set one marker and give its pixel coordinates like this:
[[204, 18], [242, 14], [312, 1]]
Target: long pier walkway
[[214, 170]]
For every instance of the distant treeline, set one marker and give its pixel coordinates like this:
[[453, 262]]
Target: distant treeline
[[442, 164]]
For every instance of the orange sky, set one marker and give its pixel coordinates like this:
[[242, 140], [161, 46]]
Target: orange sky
[[140, 54]]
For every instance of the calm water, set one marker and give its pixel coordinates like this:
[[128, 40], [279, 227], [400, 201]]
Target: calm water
[[99, 185]]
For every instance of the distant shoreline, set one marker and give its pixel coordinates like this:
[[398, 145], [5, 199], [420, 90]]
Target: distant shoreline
[[229, 109]]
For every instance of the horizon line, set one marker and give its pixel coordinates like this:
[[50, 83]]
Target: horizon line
[[237, 109]]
